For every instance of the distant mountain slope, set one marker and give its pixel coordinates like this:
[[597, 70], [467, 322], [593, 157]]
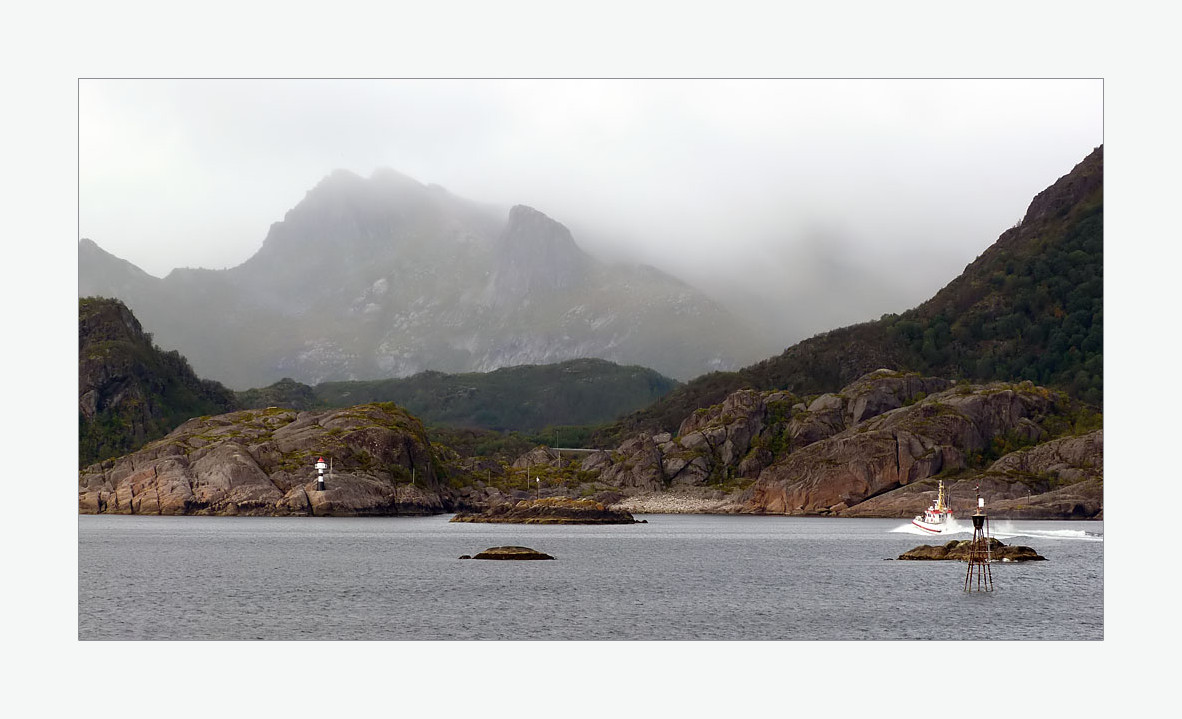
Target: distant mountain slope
[[525, 398], [1030, 307], [129, 391], [386, 277]]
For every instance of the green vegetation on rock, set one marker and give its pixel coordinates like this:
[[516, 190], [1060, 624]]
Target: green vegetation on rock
[[1029, 308], [528, 398], [130, 391]]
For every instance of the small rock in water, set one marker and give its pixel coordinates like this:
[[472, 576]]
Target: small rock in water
[[512, 553]]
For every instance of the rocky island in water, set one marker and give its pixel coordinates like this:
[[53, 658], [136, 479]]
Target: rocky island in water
[[551, 510], [958, 550], [510, 553]]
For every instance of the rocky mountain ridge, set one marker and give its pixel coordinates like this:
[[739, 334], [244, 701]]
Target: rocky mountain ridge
[[386, 277]]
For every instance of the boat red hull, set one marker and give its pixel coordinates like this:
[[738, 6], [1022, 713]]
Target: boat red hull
[[926, 528]]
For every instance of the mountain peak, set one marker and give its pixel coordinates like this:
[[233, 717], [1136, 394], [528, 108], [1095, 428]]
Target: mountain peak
[[536, 253], [1070, 189], [385, 276], [522, 211], [383, 181], [389, 176], [524, 219], [339, 178], [107, 274]]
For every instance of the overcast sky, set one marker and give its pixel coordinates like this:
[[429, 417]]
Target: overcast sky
[[803, 203]]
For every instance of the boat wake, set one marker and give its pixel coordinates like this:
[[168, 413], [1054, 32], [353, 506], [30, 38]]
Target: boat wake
[[1000, 529], [1005, 529], [952, 527]]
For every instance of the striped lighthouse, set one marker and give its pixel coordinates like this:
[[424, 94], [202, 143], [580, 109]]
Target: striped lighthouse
[[320, 467]]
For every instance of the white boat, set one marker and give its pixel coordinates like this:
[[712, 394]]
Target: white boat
[[935, 518]]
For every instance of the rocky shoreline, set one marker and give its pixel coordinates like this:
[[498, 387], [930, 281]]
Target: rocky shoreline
[[878, 449], [259, 463]]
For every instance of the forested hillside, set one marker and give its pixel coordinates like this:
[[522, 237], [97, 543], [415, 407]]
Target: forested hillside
[[130, 391], [1030, 307], [525, 398]]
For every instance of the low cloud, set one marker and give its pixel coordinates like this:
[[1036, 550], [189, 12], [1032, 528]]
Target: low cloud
[[802, 204]]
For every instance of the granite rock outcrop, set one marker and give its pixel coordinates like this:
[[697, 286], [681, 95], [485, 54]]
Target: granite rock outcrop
[[937, 434], [261, 462], [875, 448], [1058, 478]]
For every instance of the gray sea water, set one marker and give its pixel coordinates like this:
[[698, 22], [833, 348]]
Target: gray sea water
[[678, 577]]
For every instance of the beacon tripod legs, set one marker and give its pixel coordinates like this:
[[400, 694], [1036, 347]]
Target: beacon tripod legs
[[979, 554]]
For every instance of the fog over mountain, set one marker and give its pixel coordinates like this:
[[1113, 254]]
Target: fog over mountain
[[386, 277], [800, 205]]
